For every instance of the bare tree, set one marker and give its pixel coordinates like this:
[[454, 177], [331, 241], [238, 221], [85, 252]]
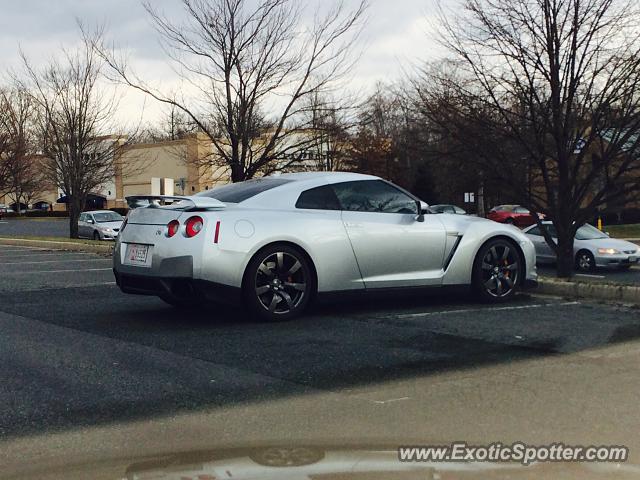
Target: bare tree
[[244, 61], [384, 142], [76, 124], [174, 124], [555, 85], [330, 122], [22, 176]]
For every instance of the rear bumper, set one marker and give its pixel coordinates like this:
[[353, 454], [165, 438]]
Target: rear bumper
[[171, 278], [182, 288]]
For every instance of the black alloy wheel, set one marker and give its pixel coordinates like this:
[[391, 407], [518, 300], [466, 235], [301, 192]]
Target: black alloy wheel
[[279, 283], [498, 270]]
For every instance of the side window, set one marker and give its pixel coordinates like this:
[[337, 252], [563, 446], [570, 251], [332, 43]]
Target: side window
[[520, 210], [319, 198], [374, 196], [449, 209], [83, 217], [552, 231], [535, 231]]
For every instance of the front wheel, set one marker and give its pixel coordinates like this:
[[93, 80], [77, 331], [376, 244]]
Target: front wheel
[[497, 270], [585, 261], [96, 235], [279, 283]]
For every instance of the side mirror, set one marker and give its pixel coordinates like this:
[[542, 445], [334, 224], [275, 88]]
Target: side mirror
[[422, 209]]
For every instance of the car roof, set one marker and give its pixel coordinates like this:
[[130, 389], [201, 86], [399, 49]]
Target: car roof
[[100, 211], [285, 195], [326, 177]]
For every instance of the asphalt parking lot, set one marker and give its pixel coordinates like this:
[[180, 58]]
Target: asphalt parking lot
[[43, 227], [88, 371]]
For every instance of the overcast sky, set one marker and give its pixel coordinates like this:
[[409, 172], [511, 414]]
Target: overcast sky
[[396, 35]]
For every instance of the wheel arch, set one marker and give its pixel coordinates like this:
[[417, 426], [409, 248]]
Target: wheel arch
[[513, 241], [288, 243], [584, 249]]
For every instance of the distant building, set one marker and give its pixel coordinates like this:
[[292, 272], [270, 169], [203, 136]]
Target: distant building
[[182, 167]]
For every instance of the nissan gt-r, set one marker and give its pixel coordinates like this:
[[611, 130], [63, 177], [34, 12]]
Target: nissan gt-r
[[275, 243]]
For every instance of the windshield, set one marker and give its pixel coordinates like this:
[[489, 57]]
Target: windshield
[[104, 217], [589, 232]]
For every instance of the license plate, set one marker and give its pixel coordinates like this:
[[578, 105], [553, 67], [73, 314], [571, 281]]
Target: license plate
[[633, 259], [137, 254]]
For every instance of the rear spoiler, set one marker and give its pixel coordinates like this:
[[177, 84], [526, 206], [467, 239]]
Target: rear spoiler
[[156, 201]]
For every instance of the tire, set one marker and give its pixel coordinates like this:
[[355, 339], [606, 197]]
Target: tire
[[279, 283], [96, 235], [624, 268], [509, 221], [585, 262], [498, 271]]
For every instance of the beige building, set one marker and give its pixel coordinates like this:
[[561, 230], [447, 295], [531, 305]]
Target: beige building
[[165, 168]]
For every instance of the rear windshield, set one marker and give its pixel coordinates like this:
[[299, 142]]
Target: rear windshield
[[241, 191]]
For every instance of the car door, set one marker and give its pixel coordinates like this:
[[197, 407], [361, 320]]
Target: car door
[[82, 225], [543, 251], [91, 224], [393, 245]]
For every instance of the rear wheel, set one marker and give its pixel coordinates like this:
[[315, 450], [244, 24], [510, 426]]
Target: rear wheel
[[279, 283], [497, 270], [585, 261]]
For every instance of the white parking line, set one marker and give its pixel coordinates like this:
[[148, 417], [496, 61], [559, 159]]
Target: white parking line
[[589, 275], [489, 309], [58, 261], [58, 271]]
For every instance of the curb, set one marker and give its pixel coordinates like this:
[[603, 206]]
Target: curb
[[596, 291], [55, 245]]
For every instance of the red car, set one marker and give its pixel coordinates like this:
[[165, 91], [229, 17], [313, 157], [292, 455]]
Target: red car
[[513, 214]]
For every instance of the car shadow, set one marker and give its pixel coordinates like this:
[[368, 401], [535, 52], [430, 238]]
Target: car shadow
[[216, 356]]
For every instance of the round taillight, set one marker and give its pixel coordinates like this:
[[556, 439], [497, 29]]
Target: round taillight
[[172, 228], [193, 226]]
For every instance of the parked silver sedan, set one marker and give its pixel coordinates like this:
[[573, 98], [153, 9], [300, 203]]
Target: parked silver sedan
[[591, 248], [274, 243], [100, 225]]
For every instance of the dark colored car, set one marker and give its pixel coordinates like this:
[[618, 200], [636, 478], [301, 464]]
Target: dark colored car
[[444, 208], [513, 214]]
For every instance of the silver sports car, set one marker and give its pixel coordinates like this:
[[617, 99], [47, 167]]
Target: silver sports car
[[275, 243]]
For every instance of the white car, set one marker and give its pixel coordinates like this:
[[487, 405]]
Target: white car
[[274, 243], [591, 248], [100, 225]]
